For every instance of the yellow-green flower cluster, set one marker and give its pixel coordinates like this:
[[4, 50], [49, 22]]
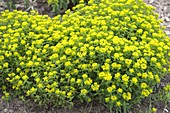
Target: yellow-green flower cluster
[[167, 87], [111, 50]]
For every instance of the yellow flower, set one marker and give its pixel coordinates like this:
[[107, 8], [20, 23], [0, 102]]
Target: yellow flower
[[18, 69], [125, 79], [29, 64], [17, 77], [116, 55], [101, 74], [117, 76], [85, 76], [120, 90], [63, 58], [150, 75], [75, 71], [127, 96], [3, 28], [63, 92], [91, 48], [118, 103], [95, 86], [37, 79], [33, 90], [113, 86], [136, 65], [68, 63], [68, 51], [83, 91], [20, 83], [36, 63], [107, 99], [29, 52], [57, 91], [57, 62], [40, 85], [134, 80], [6, 95], [1, 57], [4, 88], [113, 98], [128, 61], [107, 60], [94, 66], [158, 65], [139, 74], [83, 66], [69, 94], [45, 78], [16, 53], [157, 78], [8, 79], [143, 66], [5, 65], [16, 34], [142, 60], [91, 53], [144, 75], [28, 92], [88, 81], [79, 81], [139, 31], [153, 59], [113, 65], [143, 85], [167, 87], [154, 110], [25, 77], [106, 66], [109, 89], [54, 56], [108, 76], [72, 80], [131, 70], [163, 61], [118, 66], [145, 93], [89, 99]]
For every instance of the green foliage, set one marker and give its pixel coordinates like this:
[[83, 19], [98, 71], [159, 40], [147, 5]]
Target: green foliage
[[60, 6], [111, 51], [10, 4]]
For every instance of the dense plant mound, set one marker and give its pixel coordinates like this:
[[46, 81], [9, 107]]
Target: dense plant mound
[[112, 51]]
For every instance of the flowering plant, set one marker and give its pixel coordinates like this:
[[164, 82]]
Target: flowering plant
[[112, 51]]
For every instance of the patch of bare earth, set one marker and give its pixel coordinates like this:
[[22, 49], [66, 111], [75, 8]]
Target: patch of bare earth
[[18, 106]]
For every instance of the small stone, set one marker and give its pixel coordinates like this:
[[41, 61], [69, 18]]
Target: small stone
[[167, 19], [151, 1], [5, 110], [166, 110], [10, 111]]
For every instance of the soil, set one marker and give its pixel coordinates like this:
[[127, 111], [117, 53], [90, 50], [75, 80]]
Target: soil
[[18, 106]]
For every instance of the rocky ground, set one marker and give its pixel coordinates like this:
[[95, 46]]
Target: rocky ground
[[163, 9], [17, 106]]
